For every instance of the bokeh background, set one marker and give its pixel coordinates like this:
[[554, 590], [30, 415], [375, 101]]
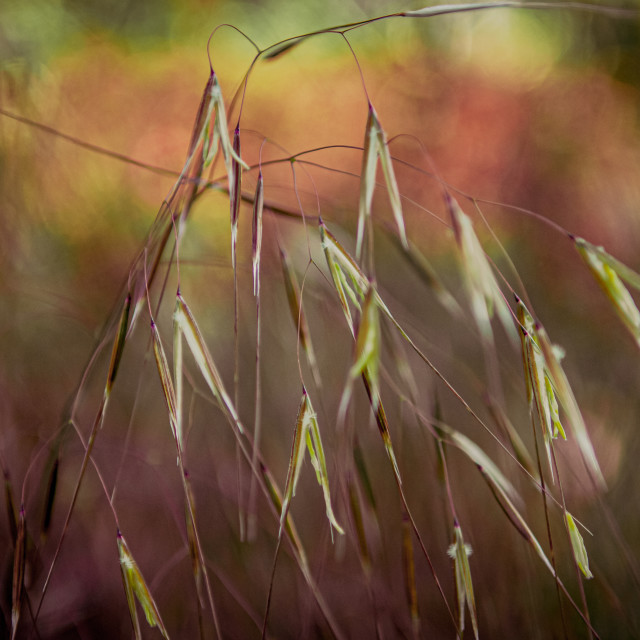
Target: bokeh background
[[539, 110]]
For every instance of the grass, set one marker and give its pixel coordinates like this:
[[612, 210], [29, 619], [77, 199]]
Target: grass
[[363, 311]]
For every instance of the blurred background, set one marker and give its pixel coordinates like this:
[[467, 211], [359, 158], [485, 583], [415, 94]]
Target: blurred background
[[523, 110]]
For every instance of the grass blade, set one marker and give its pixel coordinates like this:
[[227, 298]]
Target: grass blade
[[118, 345], [577, 546], [629, 275], [390, 179], [517, 445], [222, 127], [307, 432], [383, 428], [376, 148], [459, 553], [358, 523], [11, 509], [318, 460], [539, 388], [196, 564], [52, 484], [366, 356], [295, 460], [135, 585], [606, 271], [410, 574], [279, 49], [353, 280], [479, 457], [256, 250], [235, 196], [210, 138], [516, 518], [131, 602], [349, 280], [440, 9], [425, 271], [235, 193], [178, 365], [19, 562], [364, 478], [165, 380], [203, 130], [563, 390], [256, 236], [557, 428], [367, 183], [404, 372], [482, 287], [289, 526], [202, 356], [332, 249]]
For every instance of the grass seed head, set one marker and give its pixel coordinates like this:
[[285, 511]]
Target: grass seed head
[[135, 585], [608, 272], [578, 548]]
